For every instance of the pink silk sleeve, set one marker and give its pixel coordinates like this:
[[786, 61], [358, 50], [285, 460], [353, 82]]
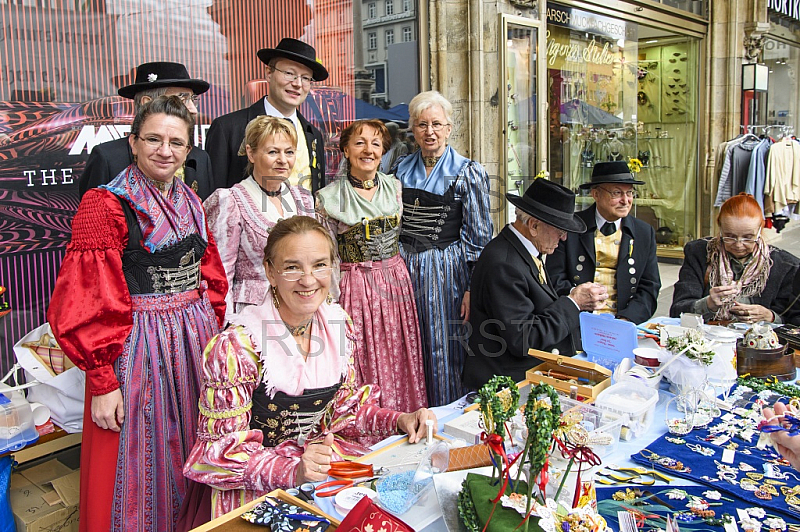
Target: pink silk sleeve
[[227, 454], [90, 310], [225, 222]]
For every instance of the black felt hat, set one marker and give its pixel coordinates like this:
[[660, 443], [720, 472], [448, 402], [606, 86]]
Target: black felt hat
[[297, 51], [162, 74], [612, 172], [550, 203]]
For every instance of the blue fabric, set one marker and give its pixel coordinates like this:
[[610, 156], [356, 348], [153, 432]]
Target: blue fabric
[[440, 277], [609, 510], [411, 171], [704, 466], [757, 173], [6, 517]]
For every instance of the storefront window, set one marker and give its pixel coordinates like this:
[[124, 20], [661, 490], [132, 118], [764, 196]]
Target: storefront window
[[62, 67], [620, 91], [783, 105]]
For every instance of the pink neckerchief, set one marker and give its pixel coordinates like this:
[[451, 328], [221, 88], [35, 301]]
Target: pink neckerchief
[[283, 367]]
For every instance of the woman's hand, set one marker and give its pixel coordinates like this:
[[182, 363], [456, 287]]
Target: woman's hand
[[413, 424], [465, 307], [752, 313], [788, 446], [315, 462], [108, 410], [720, 294]]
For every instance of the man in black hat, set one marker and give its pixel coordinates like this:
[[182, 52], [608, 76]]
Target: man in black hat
[[152, 80], [618, 251], [514, 306], [291, 68]]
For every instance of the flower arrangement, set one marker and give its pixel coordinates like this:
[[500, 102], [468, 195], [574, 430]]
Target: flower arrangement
[[693, 345], [634, 165]]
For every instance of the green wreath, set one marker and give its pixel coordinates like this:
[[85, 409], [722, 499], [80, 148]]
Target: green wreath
[[499, 400], [541, 421]]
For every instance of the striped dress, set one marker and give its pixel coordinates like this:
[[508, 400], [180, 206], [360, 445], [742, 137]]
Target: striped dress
[[441, 276]]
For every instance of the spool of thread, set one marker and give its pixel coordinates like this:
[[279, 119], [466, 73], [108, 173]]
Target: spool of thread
[[345, 500], [429, 425]]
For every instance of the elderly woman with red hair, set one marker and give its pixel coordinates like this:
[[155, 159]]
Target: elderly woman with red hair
[[736, 276]]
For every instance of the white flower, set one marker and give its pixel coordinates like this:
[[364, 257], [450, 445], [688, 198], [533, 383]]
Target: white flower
[[750, 524], [676, 494], [775, 523], [758, 513], [152, 77], [712, 495]]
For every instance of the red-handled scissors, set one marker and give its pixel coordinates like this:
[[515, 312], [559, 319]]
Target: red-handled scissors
[[345, 473]]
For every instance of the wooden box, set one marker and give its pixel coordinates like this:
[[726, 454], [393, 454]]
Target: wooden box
[[232, 521], [590, 378]]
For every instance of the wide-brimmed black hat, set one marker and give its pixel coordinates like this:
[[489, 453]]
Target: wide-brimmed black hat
[[298, 51], [550, 203], [612, 172], [162, 74]]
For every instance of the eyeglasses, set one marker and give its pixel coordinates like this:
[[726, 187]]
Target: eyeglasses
[[617, 194], [188, 96], [291, 77], [156, 143], [746, 241], [436, 126], [295, 275]]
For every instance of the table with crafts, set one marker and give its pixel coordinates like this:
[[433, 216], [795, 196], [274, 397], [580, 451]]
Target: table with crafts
[[644, 458]]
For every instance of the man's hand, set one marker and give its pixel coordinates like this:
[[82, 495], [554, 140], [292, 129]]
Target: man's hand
[[589, 296]]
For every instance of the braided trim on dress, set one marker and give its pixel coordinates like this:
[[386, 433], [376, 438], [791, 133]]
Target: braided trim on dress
[[225, 414]]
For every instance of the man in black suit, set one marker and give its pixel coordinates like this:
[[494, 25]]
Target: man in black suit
[[618, 250], [292, 67], [153, 80], [513, 306]]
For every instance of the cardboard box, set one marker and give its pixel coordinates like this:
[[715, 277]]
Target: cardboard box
[[590, 378], [45, 497], [467, 427]]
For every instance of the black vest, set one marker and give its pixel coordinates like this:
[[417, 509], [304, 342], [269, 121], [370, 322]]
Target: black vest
[[171, 270], [287, 417], [430, 220]]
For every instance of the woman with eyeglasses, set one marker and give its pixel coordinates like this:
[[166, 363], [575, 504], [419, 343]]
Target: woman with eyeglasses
[[446, 223], [242, 216], [736, 276], [140, 293], [362, 211], [280, 400]]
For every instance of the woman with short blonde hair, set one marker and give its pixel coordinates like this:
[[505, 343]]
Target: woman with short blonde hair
[[242, 216]]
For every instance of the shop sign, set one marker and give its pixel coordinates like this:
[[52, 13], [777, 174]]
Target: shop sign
[[577, 19], [788, 8]]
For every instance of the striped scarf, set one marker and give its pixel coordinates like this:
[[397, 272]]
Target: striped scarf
[[754, 276], [164, 220]]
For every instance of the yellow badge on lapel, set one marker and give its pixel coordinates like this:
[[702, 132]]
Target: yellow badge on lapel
[[314, 153]]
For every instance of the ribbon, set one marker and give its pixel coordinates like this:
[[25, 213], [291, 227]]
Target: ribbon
[[792, 430], [581, 454], [495, 443]]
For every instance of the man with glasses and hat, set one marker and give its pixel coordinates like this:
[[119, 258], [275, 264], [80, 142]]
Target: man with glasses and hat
[[514, 306], [617, 251], [160, 78], [292, 67]]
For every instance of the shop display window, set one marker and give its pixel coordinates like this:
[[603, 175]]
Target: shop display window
[[520, 77], [783, 105], [628, 92]]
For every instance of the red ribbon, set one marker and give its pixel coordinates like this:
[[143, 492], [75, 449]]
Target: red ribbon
[[495, 444], [582, 455]]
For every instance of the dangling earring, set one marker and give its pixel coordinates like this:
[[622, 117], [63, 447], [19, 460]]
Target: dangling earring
[[329, 299], [275, 300]]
